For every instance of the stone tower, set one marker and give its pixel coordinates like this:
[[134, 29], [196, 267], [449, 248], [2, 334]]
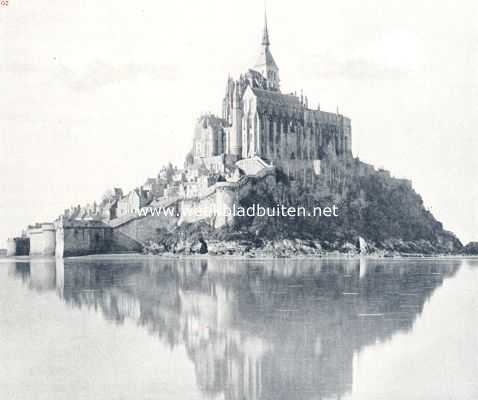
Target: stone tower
[[236, 128]]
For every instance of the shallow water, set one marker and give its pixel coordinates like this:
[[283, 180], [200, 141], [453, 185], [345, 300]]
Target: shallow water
[[146, 328]]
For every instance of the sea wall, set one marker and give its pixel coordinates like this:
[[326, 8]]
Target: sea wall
[[67, 238], [11, 248], [18, 246], [78, 238], [42, 239]]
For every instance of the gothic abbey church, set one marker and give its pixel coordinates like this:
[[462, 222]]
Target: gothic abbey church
[[259, 121]]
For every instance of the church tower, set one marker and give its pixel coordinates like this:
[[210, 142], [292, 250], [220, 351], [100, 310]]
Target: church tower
[[265, 63]]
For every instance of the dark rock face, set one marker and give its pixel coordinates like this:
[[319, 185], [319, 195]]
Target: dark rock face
[[203, 246]]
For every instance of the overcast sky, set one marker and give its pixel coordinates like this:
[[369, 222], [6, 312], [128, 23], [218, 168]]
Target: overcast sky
[[96, 94]]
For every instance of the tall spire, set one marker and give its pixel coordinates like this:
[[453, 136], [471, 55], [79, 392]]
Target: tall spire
[[265, 36], [265, 63]]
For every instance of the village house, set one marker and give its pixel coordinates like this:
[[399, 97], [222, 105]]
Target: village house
[[133, 202]]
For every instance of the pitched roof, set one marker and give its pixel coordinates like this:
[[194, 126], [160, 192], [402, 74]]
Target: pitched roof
[[265, 58], [277, 96]]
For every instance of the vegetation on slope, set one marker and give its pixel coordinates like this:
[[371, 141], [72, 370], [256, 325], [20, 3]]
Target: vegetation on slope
[[386, 212]]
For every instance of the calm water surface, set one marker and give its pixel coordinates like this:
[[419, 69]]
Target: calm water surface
[[145, 328]]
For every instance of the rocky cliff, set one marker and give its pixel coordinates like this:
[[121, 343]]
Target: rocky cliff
[[382, 213]]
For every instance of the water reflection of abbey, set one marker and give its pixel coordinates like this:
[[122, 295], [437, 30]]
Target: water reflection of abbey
[[268, 330]]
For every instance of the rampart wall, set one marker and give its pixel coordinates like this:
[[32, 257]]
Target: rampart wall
[[142, 228], [79, 238], [42, 239], [18, 246], [210, 206]]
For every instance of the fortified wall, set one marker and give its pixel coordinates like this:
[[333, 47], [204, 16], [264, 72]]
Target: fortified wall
[[18, 246], [213, 205], [77, 238], [132, 230], [210, 206], [66, 238], [42, 239]]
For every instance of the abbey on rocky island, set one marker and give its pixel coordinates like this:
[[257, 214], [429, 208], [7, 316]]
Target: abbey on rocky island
[[258, 120], [261, 130], [262, 135]]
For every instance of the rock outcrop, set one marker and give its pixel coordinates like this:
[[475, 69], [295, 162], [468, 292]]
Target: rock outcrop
[[377, 214]]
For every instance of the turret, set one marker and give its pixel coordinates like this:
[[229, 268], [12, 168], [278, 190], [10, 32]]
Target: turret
[[236, 129]]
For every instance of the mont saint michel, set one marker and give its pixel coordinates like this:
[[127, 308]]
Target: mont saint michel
[[268, 148], [220, 200]]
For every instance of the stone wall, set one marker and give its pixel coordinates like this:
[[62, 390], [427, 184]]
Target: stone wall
[[214, 164], [78, 238], [11, 248], [19, 246], [212, 206], [123, 243], [208, 137], [42, 239], [197, 208], [130, 231], [226, 198], [145, 228], [186, 210]]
